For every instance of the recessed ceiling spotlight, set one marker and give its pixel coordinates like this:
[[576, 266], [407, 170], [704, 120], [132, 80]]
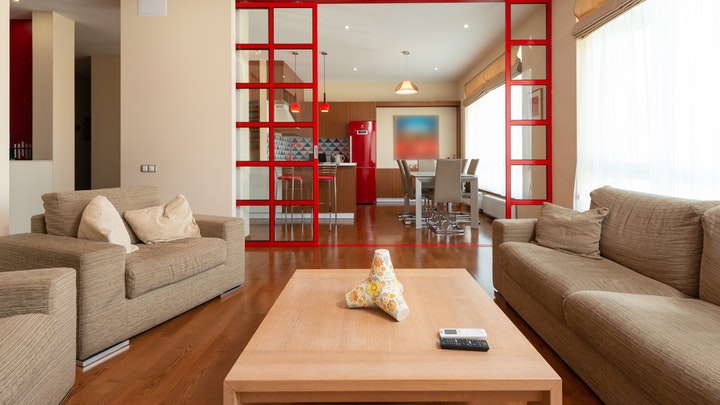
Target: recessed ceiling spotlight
[[347, 28], [354, 69], [436, 68], [466, 26]]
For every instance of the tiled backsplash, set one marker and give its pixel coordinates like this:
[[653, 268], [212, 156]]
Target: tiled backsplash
[[300, 149]]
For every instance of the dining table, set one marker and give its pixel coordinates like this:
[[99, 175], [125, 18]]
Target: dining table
[[429, 177]]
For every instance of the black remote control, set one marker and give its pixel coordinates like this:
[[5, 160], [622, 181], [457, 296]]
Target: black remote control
[[478, 345]]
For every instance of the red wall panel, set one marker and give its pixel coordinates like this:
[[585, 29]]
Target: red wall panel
[[20, 81]]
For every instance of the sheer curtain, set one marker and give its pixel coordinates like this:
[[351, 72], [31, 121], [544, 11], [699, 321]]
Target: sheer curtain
[[485, 139], [647, 102]]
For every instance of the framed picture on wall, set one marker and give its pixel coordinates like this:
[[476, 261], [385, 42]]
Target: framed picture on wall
[[535, 104], [416, 136]]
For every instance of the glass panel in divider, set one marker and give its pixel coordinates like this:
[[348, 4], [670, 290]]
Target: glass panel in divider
[[293, 183], [258, 222], [255, 21], [293, 144], [253, 183], [293, 66], [528, 142], [251, 66], [251, 105], [294, 223], [534, 101], [534, 62], [252, 144], [529, 182], [284, 100], [293, 25], [528, 21]]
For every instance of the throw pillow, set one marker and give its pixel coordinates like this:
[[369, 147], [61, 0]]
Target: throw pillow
[[570, 231], [100, 221], [164, 223]]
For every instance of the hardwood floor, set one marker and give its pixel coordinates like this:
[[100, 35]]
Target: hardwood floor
[[184, 360]]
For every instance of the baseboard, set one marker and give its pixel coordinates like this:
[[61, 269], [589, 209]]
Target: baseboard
[[104, 355], [230, 291]]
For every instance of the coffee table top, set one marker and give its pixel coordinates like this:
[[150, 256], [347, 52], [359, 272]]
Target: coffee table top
[[311, 346]]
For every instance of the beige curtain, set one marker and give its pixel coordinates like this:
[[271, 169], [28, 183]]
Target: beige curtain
[[489, 78], [592, 14]]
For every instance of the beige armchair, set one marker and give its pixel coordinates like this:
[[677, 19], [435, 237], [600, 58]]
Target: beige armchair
[[37, 335]]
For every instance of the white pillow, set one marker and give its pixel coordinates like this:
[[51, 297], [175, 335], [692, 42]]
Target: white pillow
[[164, 223], [100, 221]]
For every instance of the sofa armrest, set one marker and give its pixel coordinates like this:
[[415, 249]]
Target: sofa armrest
[[37, 224], [36, 291], [100, 279], [508, 230], [232, 230]]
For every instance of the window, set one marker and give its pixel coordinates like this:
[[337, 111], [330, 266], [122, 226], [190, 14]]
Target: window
[[485, 139], [646, 102]]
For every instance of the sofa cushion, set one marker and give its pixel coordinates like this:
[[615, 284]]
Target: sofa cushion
[[570, 231], [549, 276], [660, 237], [666, 345], [710, 267], [156, 265], [163, 223], [63, 210], [100, 221]]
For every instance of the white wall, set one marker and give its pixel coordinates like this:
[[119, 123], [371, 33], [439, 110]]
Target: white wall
[[105, 122], [29, 180], [385, 91], [177, 99], [4, 117], [385, 131]]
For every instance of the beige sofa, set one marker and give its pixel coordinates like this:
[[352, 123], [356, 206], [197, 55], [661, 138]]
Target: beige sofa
[[642, 323], [122, 294], [37, 335]]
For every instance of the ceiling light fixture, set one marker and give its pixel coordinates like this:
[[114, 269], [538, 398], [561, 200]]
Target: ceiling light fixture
[[295, 107], [324, 107], [406, 86]]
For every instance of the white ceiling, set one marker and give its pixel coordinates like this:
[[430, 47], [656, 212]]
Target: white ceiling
[[441, 48]]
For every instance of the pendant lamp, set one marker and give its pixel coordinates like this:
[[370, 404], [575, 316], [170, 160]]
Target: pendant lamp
[[295, 107], [324, 107], [406, 86]]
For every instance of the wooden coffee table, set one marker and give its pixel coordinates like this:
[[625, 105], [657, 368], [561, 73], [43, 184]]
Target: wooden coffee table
[[312, 348]]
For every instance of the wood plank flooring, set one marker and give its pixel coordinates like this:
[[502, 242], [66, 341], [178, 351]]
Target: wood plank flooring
[[184, 360]]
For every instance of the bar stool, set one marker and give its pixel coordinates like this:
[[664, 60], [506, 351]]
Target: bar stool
[[286, 176], [328, 172]]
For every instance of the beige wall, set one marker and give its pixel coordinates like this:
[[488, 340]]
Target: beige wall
[[176, 102], [4, 117], [564, 105], [105, 99], [447, 120], [54, 95]]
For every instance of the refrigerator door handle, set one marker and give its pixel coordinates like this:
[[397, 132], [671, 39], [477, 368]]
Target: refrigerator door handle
[[351, 148]]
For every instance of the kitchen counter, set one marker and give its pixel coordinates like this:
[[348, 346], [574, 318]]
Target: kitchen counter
[[339, 164]]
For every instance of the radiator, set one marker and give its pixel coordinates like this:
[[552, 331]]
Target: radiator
[[493, 206]]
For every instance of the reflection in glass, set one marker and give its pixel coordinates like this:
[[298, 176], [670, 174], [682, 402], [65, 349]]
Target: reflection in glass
[[528, 142], [251, 26], [529, 182], [253, 183], [534, 99], [532, 27], [293, 25], [534, 62]]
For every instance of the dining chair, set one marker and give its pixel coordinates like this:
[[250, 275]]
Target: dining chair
[[426, 165], [406, 196], [446, 193], [328, 173]]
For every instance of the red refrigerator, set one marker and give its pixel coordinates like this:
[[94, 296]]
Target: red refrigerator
[[362, 152]]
